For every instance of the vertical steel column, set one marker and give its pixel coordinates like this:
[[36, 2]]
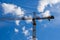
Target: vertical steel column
[[34, 29]]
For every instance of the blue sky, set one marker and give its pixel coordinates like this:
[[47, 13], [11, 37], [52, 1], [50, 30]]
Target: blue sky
[[22, 30]]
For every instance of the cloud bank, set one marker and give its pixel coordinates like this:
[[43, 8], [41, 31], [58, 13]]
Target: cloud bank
[[13, 9], [46, 13], [43, 3], [54, 8]]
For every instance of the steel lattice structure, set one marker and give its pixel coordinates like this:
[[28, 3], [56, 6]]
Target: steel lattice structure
[[33, 20]]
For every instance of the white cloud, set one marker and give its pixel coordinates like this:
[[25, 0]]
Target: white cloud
[[43, 3], [41, 6], [16, 30], [46, 13], [17, 22], [8, 8], [29, 19], [13, 9], [26, 32]]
